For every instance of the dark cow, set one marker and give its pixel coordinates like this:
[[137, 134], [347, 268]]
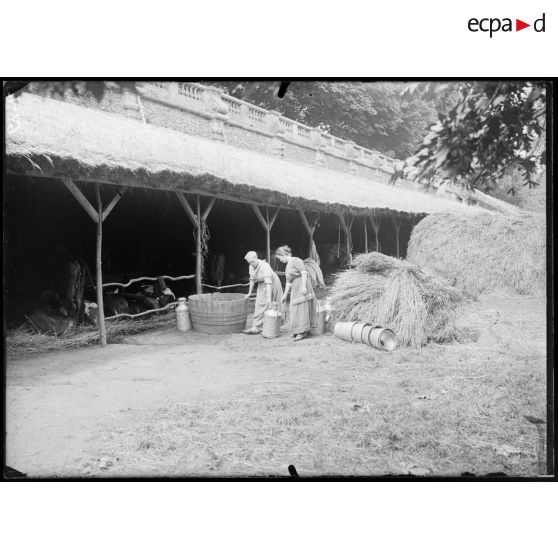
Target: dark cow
[[126, 303], [162, 293], [115, 303], [139, 303], [148, 297], [69, 284], [40, 316]]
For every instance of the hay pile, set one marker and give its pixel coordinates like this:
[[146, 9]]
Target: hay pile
[[397, 294], [484, 254], [21, 342]]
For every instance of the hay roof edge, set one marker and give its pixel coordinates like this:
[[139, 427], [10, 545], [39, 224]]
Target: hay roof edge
[[46, 137]]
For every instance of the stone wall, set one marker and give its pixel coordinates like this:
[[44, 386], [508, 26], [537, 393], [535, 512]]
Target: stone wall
[[209, 113]]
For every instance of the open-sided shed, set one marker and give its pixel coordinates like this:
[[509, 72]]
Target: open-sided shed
[[49, 138]]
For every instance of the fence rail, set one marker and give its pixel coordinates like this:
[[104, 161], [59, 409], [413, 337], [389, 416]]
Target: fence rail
[[170, 304], [168, 277]]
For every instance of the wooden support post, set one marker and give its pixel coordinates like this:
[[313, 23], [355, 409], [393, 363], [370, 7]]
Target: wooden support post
[[267, 237], [100, 307], [270, 223], [264, 223], [375, 222], [267, 225], [114, 201], [82, 200], [198, 220], [208, 208], [365, 236], [347, 224], [310, 228], [198, 247], [349, 239], [98, 216], [186, 206], [397, 225]]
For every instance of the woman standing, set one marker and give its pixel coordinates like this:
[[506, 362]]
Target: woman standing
[[269, 289], [300, 287]]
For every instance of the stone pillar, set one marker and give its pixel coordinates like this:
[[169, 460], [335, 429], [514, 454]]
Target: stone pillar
[[350, 153], [217, 110], [172, 89], [244, 114], [317, 141], [131, 107], [277, 128]]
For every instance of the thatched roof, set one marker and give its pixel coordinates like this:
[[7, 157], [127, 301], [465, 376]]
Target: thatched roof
[[60, 138]]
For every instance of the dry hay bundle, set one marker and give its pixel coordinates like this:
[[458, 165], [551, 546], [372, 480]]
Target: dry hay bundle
[[483, 254], [397, 294], [21, 342]]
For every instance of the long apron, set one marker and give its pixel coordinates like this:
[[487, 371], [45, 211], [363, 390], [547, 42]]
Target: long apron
[[263, 275], [301, 305]]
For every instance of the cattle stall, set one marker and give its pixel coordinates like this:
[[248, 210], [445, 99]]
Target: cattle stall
[[130, 199]]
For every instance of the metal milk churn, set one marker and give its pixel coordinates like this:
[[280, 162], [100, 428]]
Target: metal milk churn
[[183, 321], [328, 307], [318, 318], [271, 322]]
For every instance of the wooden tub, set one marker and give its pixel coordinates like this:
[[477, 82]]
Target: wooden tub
[[218, 313]]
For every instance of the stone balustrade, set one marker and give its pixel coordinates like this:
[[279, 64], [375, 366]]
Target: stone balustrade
[[207, 111], [213, 104]]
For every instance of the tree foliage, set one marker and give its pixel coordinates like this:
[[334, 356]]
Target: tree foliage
[[60, 88], [374, 115], [485, 131]]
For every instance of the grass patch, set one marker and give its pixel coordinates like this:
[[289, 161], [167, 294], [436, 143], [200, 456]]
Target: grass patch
[[465, 416]]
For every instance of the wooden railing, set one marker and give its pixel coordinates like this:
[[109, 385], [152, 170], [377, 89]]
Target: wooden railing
[[171, 304], [153, 310]]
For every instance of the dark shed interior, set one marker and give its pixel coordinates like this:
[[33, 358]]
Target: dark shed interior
[[149, 233]]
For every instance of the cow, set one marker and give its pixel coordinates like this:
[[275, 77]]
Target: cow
[[115, 303], [91, 312], [40, 316], [69, 284], [162, 293], [138, 303], [48, 320], [148, 297], [127, 303]]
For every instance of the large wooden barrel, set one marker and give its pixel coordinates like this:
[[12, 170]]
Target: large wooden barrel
[[218, 313]]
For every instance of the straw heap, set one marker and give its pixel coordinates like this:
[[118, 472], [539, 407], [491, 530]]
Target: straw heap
[[398, 294], [484, 254]]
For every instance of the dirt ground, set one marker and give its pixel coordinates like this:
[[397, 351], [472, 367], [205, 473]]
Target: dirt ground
[[69, 412]]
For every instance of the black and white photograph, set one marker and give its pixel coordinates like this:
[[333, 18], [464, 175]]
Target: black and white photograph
[[265, 279]]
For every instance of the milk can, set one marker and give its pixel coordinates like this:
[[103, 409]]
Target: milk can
[[328, 306], [318, 318], [183, 321], [271, 322]]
